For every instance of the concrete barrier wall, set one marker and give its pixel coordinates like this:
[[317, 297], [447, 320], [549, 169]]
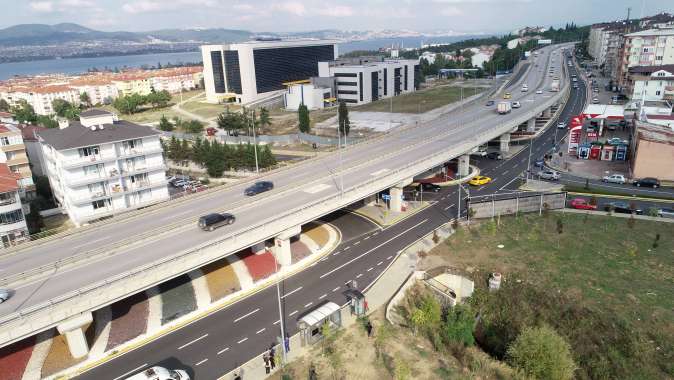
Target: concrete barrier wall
[[529, 203]]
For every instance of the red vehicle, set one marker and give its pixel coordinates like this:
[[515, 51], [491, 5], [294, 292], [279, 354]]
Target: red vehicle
[[581, 204]]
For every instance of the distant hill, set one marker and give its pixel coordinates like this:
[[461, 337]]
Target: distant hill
[[41, 34]]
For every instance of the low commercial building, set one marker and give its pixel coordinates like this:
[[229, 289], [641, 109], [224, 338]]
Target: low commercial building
[[652, 151], [251, 71], [99, 166], [366, 79], [13, 228], [316, 94], [13, 155]]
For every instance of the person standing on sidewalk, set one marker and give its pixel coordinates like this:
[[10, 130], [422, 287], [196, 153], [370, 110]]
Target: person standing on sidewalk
[[272, 358], [265, 357]]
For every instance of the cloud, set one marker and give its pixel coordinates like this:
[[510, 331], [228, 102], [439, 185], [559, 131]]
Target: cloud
[[451, 11], [292, 7], [77, 3], [41, 6], [479, 1], [336, 11], [145, 6]]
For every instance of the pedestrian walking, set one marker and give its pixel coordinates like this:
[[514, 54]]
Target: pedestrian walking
[[312, 372], [366, 306], [267, 366], [272, 360], [286, 343], [369, 329]]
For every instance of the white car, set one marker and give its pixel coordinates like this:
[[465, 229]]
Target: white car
[[561, 125], [516, 104], [539, 91], [525, 88], [5, 294], [479, 153], [615, 178], [549, 175]]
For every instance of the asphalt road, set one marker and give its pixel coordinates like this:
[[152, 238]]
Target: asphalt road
[[318, 178]]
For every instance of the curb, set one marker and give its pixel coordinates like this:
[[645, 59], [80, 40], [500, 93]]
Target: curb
[[270, 281], [628, 197], [397, 220]]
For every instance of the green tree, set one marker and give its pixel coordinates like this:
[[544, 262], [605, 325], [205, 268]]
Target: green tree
[[459, 325], [65, 109], [542, 353], [85, 100], [193, 126], [158, 99], [343, 119], [265, 120], [304, 119], [4, 106], [46, 121], [267, 158], [24, 112], [165, 124], [231, 121], [128, 104]]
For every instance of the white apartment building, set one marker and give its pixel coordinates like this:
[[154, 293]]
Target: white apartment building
[[651, 83], [367, 79], [41, 98], [312, 95], [256, 70], [654, 47], [13, 229], [99, 91], [101, 166]]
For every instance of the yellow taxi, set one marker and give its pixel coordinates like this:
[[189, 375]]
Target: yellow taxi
[[479, 180], [507, 95]]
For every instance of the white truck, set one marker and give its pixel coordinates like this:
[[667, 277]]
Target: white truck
[[554, 87], [504, 107], [160, 373]]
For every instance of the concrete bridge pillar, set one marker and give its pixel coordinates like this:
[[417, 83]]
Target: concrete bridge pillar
[[531, 125], [547, 113], [505, 142], [396, 192], [370, 200], [281, 249], [463, 165], [73, 329]]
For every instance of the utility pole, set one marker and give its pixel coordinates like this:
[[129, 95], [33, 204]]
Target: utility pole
[[341, 167], [531, 143], [280, 313]]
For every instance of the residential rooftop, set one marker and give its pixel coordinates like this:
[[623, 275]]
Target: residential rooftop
[[655, 133], [8, 179], [77, 136]]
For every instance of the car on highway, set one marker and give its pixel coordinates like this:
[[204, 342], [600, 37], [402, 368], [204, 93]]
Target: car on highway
[[5, 294], [428, 187], [622, 208], [595, 101], [259, 187], [614, 178], [561, 125], [525, 88], [581, 204], [516, 104], [481, 152], [214, 220], [494, 156], [160, 373], [647, 182], [539, 91], [666, 213], [507, 95], [549, 175], [479, 180], [490, 103]]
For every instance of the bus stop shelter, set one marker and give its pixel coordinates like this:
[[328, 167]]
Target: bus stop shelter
[[311, 323]]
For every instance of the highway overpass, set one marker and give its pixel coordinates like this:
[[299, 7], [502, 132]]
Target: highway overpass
[[58, 282]]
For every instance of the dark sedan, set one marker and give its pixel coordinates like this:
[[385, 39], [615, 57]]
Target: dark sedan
[[622, 208], [647, 182], [428, 187], [259, 187]]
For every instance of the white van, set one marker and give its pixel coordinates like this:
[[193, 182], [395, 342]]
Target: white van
[[160, 373]]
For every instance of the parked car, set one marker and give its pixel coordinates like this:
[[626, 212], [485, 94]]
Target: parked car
[[666, 213], [490, 103], [494, 156], [581, 204], [647, 182], [622, 208], [5, 294], [616, 141], [516, 104], [212, 221], [549, 175], [479, 180], [259, 187], [539, 91], [561, 125], [428, 188], [481, 152], [614, 178]]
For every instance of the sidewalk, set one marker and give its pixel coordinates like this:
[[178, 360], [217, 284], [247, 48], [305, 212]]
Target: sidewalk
[[379, 214]]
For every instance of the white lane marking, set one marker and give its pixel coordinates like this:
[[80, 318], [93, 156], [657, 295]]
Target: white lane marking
[[505, 172], [293, 313], [359, 275], [370, 269], [317, 188], [130, 372], [260, 330], [323, 296], [378, 172], [336, 253], [289, 293], [246, 315], [376, 233], [389, 258], [323, 259], [375, 248], [380, 263], [97, 240], [347, 248], [480, 188], [450, 206], [242, 340], [336, 289], [356, 243], [309, 304], [201, 362], [178, 214], [196, 340], [366, 237], [223, 350], [277, 322]]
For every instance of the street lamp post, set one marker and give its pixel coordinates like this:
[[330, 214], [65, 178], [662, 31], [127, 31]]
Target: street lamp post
[[280, 313], [252, 121]]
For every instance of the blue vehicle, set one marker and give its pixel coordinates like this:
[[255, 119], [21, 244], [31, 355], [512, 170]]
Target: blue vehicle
[[259, 187]]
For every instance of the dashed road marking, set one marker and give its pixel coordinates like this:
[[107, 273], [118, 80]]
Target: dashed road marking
[[356, 243], [336, 289], [277, 322], [196, 340], [293, 313], [347, 248], [370, 269], [309, 304], [323, 296], [380, 263], [366, 237], [201, 362], [249, 314], [223, 350], [359, 275], [242, 340], [289, 293], [389, 258], [260, 331]]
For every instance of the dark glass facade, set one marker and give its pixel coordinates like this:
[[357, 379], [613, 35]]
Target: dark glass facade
[[218, 74], [275, 66], [385, 82], [232, 71], [360, 85], [405, 84], [375, 85], [396, 81]]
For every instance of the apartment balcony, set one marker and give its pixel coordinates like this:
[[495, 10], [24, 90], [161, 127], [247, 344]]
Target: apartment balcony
[[13, 147], [88, 198], [18, 161], [88, 160], [128, 153], [140, 169], [143, 185], [93, 178]]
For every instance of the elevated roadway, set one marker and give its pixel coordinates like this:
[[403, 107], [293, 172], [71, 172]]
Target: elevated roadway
[[86, 270]]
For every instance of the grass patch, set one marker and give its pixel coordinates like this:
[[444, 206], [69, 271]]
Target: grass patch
[[146, 116], [417, 102], [207, 110], [591, 191], [603, 283]]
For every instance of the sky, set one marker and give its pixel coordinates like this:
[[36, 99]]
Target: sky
[[469, 16]]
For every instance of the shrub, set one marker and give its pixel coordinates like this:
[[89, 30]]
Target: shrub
[[542, 353]]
